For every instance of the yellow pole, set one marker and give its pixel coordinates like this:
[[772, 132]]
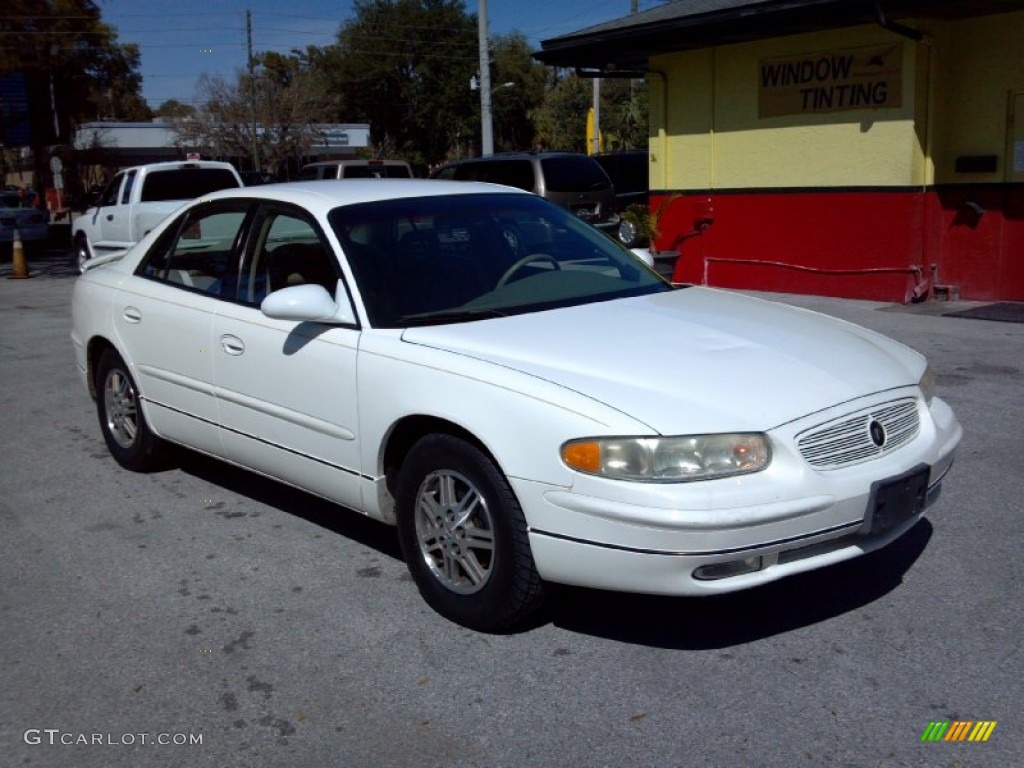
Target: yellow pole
[[19, 267]]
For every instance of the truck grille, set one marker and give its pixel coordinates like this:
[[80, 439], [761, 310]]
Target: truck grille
[[860, 436]]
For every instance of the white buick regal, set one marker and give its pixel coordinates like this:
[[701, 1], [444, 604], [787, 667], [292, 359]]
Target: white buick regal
[[522, 397]]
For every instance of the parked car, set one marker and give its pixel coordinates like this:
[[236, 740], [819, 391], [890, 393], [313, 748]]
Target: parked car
[[356, 169], [139, 198], [629, 171], [31, 223], [548, 410], [569, 179]]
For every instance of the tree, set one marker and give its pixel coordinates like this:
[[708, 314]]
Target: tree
[[561, 121], [173, 108], [624, 114], [73, 66], [404, 67], [285, 94], [512, 106]]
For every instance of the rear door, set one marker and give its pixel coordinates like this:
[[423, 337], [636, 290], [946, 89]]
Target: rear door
[[165, 319], [115, 223]]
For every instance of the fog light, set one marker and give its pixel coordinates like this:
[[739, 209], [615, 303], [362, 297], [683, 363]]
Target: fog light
[[727, 569]]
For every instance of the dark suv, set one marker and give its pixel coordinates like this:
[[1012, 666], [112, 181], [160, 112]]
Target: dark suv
[[569, 179]]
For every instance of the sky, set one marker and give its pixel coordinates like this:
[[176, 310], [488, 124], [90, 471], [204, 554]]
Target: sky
[[182, 39]]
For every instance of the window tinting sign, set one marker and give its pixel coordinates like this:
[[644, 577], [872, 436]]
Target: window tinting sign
[[831, 81]]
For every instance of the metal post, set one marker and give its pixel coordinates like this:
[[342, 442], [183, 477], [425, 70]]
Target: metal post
[[595, 142], [486, 130], [252, 93]]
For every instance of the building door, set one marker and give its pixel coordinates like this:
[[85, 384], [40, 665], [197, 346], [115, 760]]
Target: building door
[[1013, 204]]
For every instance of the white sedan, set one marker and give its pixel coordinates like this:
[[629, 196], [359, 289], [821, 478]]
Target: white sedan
[[526, 400]]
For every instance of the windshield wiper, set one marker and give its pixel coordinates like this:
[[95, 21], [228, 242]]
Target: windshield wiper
[[449, 316]]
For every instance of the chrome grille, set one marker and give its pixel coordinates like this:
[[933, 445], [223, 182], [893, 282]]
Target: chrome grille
[[847, 440]]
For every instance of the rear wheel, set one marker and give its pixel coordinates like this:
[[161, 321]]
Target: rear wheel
[[129, 439], [464, 537]]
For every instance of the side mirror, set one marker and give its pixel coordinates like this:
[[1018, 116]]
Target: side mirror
[[310, 303]]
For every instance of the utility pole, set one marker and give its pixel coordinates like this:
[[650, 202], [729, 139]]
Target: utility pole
[[486, 130], [252, 92]]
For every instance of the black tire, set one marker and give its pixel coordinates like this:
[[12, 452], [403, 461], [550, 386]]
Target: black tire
[[472, 565], [82, 254], [122, 421]]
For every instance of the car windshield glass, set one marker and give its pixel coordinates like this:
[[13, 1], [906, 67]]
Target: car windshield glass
[[454, 258], [570, 173]]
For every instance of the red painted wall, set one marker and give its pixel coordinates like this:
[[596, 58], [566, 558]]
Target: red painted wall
[[863, 244]]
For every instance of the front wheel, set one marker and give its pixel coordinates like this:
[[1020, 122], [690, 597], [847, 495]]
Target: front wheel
[[464, 537], [129, 439], [82, 254]]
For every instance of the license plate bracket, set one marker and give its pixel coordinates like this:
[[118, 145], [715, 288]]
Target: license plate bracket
[[897, 499]]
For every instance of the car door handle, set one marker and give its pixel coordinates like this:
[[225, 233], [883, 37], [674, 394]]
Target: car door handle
[[110, 217], [132, 315], [232, 344]]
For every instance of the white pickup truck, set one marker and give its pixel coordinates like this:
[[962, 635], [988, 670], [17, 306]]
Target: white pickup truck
[[139, 198]]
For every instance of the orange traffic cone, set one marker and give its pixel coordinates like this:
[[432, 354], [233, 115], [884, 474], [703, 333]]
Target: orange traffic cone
[[19, 267]]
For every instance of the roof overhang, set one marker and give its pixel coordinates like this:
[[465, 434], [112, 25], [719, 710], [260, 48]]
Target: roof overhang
[[623, 47]]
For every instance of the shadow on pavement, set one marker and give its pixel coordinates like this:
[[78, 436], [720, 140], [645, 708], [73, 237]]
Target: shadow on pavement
[[682, 623], [313, 509], [703, 623]]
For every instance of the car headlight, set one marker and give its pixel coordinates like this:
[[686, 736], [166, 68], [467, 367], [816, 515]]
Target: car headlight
[[669, 459], [927, 384]]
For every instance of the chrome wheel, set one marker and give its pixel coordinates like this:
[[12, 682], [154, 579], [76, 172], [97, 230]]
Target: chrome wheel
[[455, 531], [81, 254], [464, 536], [121, 409]]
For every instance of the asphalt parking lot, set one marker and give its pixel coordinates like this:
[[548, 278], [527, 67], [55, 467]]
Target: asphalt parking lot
[[203, 603]]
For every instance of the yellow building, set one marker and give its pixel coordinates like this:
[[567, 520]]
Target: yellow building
[[861, 149]]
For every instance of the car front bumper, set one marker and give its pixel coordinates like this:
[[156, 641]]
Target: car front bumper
[[790, 518]]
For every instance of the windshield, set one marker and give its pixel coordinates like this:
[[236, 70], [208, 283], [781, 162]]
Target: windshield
[[453, 258]]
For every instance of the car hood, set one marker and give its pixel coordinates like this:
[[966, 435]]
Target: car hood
[[690, 361]]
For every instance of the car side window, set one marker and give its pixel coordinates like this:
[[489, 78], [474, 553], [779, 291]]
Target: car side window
[[109, 196], [511, 173], [287, 250], [199, 253], [129, 181]]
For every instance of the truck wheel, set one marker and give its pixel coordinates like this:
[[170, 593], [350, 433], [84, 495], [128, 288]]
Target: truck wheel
[[81, 252]]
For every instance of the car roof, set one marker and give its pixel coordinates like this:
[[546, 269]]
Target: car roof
[[173, 164], [322, 196]]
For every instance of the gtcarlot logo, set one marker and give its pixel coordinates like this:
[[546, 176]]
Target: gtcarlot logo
[[70, 738]]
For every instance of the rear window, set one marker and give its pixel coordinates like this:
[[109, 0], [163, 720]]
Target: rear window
[[186, 183], [569, 174], [309, 173]]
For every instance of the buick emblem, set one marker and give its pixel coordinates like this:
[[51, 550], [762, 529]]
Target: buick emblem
[[877, 432]]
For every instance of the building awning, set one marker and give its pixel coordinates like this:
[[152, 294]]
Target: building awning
[[625, 45]]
